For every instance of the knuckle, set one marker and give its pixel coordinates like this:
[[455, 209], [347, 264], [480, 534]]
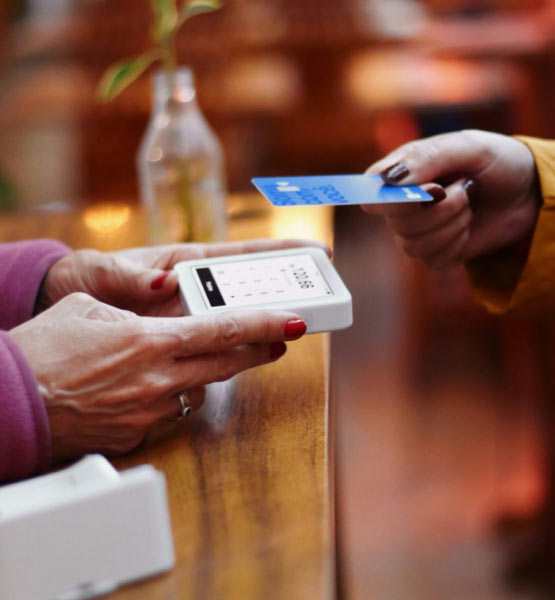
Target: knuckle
[[476, 139], [413, 147], [471, 135], [266, 325], [79, 298], [140, 338], [105, 265], [228, 330], [137, 331], [77, 303], [423, 151], [151, 386]]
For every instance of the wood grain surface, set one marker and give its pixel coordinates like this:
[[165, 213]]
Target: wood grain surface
[[249, 476]]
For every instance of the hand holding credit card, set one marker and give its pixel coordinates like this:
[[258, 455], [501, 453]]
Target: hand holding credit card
[[336, 190]]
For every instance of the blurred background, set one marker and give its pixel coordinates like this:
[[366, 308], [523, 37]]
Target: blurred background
[[442, 415]]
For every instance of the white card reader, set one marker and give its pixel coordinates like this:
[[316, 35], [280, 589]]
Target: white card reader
[[83, 531], [301, 280]]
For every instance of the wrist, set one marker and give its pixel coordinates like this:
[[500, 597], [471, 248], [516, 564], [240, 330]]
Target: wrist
[[50, 290]]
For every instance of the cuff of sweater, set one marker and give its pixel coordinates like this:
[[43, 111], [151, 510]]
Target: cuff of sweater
[[523, 281], [26, 270], [25, 446]]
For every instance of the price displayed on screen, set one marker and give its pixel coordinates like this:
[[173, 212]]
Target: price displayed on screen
[[265, 280]]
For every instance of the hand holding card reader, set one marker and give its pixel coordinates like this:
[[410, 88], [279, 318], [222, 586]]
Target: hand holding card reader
[[301, 280]]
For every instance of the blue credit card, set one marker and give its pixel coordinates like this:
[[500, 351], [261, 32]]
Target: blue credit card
[[336, 190]]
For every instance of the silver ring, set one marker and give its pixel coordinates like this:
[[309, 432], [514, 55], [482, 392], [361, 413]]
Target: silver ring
[[184, 407]]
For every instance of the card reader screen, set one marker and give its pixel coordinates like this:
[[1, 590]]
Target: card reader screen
[[261, 281]]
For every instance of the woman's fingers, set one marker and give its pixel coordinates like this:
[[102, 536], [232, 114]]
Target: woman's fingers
[[170, 407], [434, 157], [423, 246], [223, 331], [220, 366], [164, 283], [436, 230], [449, 255], [165, 257], [142, 279], [429, 217], [133, 283]]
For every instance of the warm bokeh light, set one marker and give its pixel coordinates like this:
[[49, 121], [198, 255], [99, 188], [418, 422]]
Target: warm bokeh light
[[262, 83], [385, 79], [304, 222], [107, 217]]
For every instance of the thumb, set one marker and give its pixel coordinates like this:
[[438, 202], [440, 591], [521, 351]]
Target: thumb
[[143, 283], [423, 161]]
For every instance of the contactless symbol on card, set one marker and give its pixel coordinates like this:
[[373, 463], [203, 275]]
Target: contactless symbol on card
[[335, 190]]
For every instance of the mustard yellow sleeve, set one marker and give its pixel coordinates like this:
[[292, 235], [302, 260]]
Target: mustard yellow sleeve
[[506, 281]]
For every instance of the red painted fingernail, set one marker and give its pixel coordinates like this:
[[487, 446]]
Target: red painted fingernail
[[277, 349], [437, 193], [395, 174], [294, 329], [158, 282]]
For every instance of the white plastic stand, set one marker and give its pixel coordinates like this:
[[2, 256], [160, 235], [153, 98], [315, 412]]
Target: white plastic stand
[[83, 531]]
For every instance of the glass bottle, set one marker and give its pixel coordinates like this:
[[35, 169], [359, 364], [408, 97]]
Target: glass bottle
[[181, 166]]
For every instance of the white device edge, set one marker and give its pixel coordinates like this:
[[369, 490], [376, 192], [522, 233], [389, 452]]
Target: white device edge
[[96, 529], [316, 315]]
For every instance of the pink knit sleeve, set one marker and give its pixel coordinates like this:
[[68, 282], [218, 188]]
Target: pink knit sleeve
[[23, 266], [24, 430]]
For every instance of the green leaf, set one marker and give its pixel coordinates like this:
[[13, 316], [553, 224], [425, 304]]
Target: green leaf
[[165, 18], [123, 73], [197, 7]]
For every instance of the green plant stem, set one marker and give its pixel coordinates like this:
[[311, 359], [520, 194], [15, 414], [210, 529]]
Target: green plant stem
[[169, 62], [185, 198]]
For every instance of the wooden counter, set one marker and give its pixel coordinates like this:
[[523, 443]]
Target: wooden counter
[[249, 476]]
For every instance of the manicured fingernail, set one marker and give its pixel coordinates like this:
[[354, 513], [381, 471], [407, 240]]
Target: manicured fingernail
[[159, 282], [277, 349], [437, 193], [294, 329], [471, 189], [395, 174]]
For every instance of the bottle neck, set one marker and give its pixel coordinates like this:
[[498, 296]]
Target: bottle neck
[[175, 92]]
